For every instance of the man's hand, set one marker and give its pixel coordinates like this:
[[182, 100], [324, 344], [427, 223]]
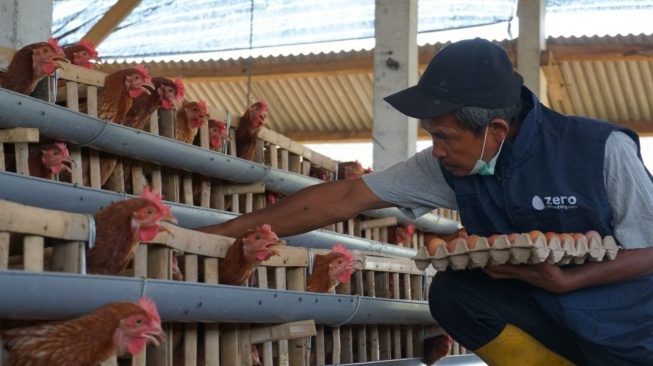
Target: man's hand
[[544, 275]]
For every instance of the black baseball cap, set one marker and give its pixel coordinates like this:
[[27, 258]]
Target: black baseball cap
[[473, 72]]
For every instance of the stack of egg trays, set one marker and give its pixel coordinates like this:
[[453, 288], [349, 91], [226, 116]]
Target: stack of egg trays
[[522, 251]]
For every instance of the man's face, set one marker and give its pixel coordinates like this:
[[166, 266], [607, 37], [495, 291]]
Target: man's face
[[457, 148]]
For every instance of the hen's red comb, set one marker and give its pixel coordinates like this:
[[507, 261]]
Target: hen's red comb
[[62, 147], [181, 88], [150, 308], [266, 229], [203, 107], [55, 44], [410, 229], [155, 197], [339, 248], [264, 106], [89, 46], [142, 69]]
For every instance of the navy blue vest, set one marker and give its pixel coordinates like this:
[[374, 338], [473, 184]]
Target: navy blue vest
[[550, 179]]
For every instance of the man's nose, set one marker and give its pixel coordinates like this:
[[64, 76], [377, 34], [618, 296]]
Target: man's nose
[[438, 152]]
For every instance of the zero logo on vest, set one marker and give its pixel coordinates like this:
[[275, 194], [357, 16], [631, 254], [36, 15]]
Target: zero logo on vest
[[554, 202]]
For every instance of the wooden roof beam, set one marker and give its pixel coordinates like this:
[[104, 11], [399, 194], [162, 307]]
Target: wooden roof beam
[[612, 52], [110, 21], [327, 137]]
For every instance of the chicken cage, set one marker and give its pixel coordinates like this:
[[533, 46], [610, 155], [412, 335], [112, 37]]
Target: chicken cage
[[381, 314]]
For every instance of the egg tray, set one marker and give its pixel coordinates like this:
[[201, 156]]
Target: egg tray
[[522, 251]]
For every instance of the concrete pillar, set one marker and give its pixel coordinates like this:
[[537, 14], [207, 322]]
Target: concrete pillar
[[24, 21], [395, 68], [530, 44]]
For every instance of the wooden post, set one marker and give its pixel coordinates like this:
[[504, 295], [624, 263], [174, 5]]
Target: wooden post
[[21, 150], [266, 355], [33, 253], [156, 180], [190, 329], [280, 283], [205, 182], [396, 341], [4, 250], [170, 176], [93, 155], [230, 354], [140, 270], [320, 351], [298, 348], [160, 267], [72, 102], [211, 330], [66, 257], [385, 342]]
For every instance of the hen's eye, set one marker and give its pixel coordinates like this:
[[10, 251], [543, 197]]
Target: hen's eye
[[258, 237], [149, 211], [139, 321]]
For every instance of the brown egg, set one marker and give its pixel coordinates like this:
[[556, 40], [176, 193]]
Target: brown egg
[[534, 234], [564, 236], [433, 243], [492, 238], [550, 235], [593, 234], [472, 240], [451, 246], [577, 236], [513, 237]]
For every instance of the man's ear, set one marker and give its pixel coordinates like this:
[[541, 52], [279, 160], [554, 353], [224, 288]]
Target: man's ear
[[499, 128]]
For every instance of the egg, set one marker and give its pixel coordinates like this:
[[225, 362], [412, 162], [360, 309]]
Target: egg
[[534, 234], [433, 244], [492, 238], [451, 246], [550, 235], [593, 234], [472, 240]]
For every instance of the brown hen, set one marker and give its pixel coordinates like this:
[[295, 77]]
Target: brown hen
[[114, 101], [436, 348], [190, 117], [247, 132], [82, 54], [47, 159], [247, 252], [121, 226], [113, 329], [332, 269], [30, 65]]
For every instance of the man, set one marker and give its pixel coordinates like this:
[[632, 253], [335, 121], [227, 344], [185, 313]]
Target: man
[[497, 154]]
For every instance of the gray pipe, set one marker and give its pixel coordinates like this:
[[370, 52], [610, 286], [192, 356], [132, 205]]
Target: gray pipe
[[66, 197], [61, 295], [79, 129]]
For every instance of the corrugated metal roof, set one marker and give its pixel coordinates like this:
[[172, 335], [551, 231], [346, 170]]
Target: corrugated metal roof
[[337, 103], [167, 27]]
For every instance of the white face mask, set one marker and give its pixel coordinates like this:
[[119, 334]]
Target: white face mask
[[481, 167]]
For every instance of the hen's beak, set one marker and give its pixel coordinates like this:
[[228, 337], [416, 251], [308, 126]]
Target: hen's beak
[[273, 246], [358, 265], [69, 161], [171, 219], [147, 90], [60, 59], [97, 62], [157, 337]]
